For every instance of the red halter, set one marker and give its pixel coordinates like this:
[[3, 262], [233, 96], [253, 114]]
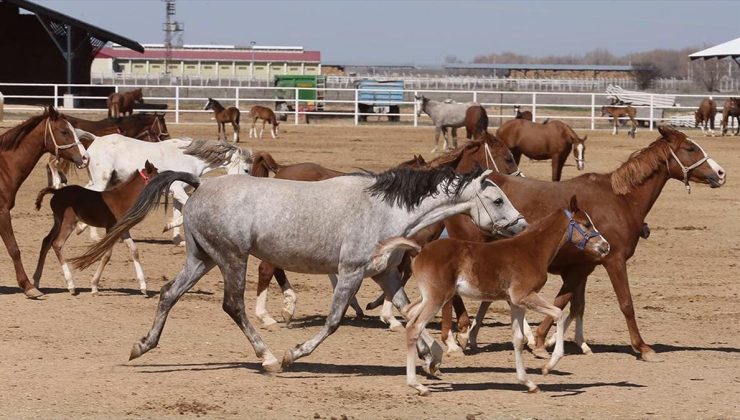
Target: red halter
[[145, 176]]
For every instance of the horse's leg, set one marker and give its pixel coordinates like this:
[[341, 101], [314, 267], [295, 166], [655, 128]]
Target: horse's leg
[[463, 321], [446, 334], [234, 272], [517, 339], [386, 316], [265, 273], [235, 126], [252, 129], [570, 282], [45, 246], [537, 303], [477, 323], [66, 227], [6, 232], [290, 298], [137, 264], [179, 198], [353, 302], [262, 130], [446, 137], [347, 287], [437, 130], [55, 179], [634, 127], [419, 313], [95, 282], [615, 130], [454, 137], [558, 162], [197, 264]]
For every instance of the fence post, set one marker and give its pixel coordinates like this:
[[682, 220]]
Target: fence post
[[295, 110], [651, 112], [475, 96], [177, 104], [56, 96], [357, 107], [593, 111], [534, 107], [2, 106], [237, 98], [416, 111]]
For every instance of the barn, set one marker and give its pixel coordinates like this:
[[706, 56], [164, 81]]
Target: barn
[[40, 45]]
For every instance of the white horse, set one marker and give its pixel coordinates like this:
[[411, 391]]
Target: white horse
[[444, 114], [114, 158], [324, 227]]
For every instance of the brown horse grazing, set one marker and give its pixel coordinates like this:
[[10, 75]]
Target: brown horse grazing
[[617, 112], [476, 122], [494, 271], [223, 116], [266, 115], [730, 112], [21, 147], [705, 114], [526, 115], [619, 202], [100, 209], [120, 104], [551, 140]]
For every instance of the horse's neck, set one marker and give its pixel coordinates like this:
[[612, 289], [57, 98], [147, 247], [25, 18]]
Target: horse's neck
[[432, 210], [643, 197], [24, 157], [217, 107], [544, 239]]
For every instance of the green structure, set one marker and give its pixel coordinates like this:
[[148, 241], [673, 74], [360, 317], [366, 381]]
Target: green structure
[[310, 99]]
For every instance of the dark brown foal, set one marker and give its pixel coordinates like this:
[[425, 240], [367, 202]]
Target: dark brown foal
[[225, 115], [99, 209]]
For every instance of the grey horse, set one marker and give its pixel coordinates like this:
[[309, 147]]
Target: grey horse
[[444, 114], [325, 227]]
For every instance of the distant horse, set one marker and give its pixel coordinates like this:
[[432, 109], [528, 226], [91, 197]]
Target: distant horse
[[120, 104], [494, 271], [705, 114], [476, 122], [526, 115], [617, 112], [101, 209], [267, 116], [551, 140], [229, 218], [223, 116], [21, 147], [444, 115], [730, 112]]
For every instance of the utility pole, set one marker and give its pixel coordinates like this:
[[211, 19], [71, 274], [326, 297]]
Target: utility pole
[[170, 28]]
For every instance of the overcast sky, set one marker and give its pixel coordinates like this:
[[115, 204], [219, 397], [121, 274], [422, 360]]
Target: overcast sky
[[422, 32]]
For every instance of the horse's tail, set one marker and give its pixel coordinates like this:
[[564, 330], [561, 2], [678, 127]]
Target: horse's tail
[[237, 116], [148, 200], [42, 193], [390, 252], [263, 164]]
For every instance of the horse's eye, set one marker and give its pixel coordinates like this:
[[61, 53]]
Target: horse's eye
[[498, 202], [509, 159], [588, 225], [691, 149]]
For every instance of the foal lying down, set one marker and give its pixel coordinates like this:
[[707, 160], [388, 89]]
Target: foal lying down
[[512, 269]]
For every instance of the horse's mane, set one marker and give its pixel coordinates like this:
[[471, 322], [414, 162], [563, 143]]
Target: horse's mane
[[407, 187], [640, 165], [12, 138], [452, 157], [214, 152]]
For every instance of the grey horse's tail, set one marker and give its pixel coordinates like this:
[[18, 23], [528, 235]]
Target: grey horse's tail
[[148, 200]]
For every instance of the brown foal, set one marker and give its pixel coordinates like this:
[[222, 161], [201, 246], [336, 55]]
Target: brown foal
[[617, 112], [512, 269], [267, 116], [120, 104], [99, 209], [224, 115]]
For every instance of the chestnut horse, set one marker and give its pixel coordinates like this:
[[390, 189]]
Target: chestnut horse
[[730, 112], [619, 203], [120, 104], [705, 114], [267, 116], [21, 147], [494, 271], [617, 112], [476, 122], [96, 208], [223, 116], [551, 140], [526, 115]]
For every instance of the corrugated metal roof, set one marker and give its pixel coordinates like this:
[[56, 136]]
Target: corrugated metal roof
[[561, 67], [727, 49], [213, 55]]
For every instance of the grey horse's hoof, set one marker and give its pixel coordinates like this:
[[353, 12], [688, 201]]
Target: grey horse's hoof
[[288, 358], [136, 351]]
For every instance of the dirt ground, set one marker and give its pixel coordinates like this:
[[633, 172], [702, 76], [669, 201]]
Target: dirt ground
[[66, 356]]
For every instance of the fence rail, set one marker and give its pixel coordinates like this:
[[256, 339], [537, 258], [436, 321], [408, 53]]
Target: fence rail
[[185, 103]]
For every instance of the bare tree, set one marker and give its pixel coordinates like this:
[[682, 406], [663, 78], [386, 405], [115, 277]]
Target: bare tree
[[644, 74], [707, 74]]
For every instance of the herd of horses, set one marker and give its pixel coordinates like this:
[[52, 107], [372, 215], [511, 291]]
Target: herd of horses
[[434, 220]]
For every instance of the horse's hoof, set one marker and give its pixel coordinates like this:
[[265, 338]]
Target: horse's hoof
[[586, 349], [136, 351], [288, 359], [144, 292], [73, 291], [533, 389], [545, 370], [287, 315], [455, 352], [462, 340], [650, 356], [271, 365], [421, 389], [33, 293], [540, 353], [270, 324], [396, 326]]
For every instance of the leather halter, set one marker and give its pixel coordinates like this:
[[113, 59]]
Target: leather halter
[[146, 177], [489, 157], [496, 228], [49, 132], [687, 169], [585, 236], [159, 126]]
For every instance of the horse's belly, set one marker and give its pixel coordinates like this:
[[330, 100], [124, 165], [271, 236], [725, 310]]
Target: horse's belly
[[298, 260]]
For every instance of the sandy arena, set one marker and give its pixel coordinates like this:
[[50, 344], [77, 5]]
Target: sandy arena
[[66, 356]]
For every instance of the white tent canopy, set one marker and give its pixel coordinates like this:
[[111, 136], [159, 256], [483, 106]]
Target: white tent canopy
[[727, 49]]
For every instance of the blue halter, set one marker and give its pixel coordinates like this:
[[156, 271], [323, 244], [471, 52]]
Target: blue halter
[[572, 224]]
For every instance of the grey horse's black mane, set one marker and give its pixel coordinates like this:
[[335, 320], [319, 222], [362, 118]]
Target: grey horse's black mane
[[407, 187]]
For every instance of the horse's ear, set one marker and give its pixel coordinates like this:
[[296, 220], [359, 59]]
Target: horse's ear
[[666, 132], [584, 138], [573, 207], [52, 112]]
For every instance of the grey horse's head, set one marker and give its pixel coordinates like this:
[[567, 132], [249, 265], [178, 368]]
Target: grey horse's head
[[240, 162], [419, 102], [491, 209]]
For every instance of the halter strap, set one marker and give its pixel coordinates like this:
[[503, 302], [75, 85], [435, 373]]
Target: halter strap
[[146, 177], [49, 132], [585, 236], [159, 126], [489, 157], [496, 228], [687, 169]]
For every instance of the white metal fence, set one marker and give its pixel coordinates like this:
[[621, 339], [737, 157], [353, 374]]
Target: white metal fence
[[185, 103]]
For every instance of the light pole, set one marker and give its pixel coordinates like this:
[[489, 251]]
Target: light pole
[[252, 44]]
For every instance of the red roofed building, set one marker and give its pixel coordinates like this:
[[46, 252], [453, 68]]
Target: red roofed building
[[214, 61]]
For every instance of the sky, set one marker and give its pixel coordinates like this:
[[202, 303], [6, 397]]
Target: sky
[[422, 32]]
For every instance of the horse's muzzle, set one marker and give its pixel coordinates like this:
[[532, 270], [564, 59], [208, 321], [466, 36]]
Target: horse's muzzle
[[82, 162]]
